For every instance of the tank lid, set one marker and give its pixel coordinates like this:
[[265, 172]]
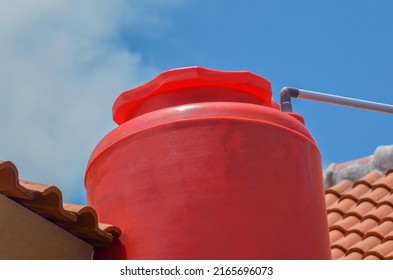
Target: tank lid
[[191, 78]]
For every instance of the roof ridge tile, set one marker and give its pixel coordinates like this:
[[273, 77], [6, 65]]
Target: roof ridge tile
[[47, 201], [9, 182], [111, 229]]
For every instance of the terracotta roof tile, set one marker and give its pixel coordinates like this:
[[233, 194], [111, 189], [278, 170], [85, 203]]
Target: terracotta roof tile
[[381, 161], [361, 217], [345, 223], [369, 179], [371, 257], [387, 200], [352, 256], [337, 253], [363, 227], [379, 212], [360, 209], [389, 235], [330, 198], [340, 188], [47, 201], [366, 244], [335, 235], [347, 241], [386, 181], [333, 217], [375, 195], [382, 230], [357, 191], [342, 205], [9, 177], [383, 250]]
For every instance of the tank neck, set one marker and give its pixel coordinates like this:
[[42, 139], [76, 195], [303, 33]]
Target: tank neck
[[192, 85]]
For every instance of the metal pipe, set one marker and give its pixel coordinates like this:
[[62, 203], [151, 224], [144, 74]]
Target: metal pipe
[[334, 99]]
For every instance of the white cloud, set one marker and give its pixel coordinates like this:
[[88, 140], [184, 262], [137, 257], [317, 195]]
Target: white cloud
[[60, 72]]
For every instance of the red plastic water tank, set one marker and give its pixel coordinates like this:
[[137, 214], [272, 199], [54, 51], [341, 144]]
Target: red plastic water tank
[[203, 165]]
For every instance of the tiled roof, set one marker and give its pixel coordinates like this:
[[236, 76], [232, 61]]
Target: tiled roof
[[360, 214], [47, 202], [381, 160], [360, 217]]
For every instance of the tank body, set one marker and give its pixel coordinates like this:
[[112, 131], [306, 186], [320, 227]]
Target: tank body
[[209, 171]]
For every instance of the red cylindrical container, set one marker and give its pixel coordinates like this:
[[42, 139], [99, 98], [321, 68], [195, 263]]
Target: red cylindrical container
[[204, 166]]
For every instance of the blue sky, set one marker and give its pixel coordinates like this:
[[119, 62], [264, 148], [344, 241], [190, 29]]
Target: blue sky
[[64, 64]]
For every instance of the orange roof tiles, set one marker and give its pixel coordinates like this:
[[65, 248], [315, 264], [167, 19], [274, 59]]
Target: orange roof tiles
[[360, 214], [360, 217], [47, 201]]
